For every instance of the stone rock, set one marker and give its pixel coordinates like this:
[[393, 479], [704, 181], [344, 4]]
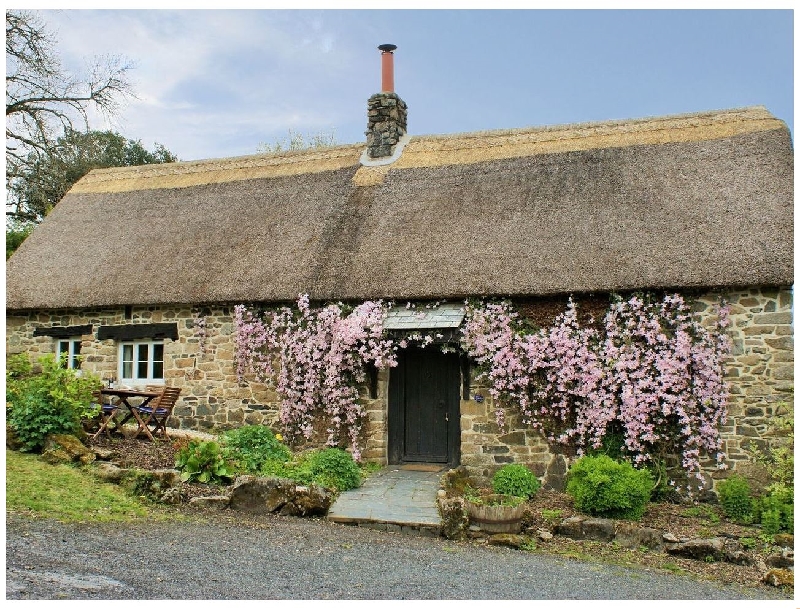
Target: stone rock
[[109, 472], [669, 538], [599, 529], [698, 549], [102, 454], [311, 500], [779, 578], [171, 496], [64, 448], [783, 560], [571, 527], [784, 540], [738, 557], [544, 535], [506, 539], [168, 477], [218, 502], [555, 475], [12, 440], [629, 535], [260, 495], [153, 483], [455, 519]]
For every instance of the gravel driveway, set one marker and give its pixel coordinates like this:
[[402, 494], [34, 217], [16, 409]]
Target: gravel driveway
[[286, 558]]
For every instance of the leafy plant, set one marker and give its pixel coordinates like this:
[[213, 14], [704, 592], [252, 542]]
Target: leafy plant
[[497, 499], [330, 467], [515, 479], [736, 499], [252, 446], [52, 401], [551, 515], [775, 511], [702, 511], [601, 486], [748, 543], [529, 545], [202, 461]]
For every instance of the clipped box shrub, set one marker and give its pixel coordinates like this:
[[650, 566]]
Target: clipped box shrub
[[601, 486], [515, 479]]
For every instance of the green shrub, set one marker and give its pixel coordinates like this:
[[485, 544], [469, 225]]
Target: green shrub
[[52, 401], [775, 511], [202, 462], [330, 467], [736, 499], [601, 486], [515, 479], [252, 446]]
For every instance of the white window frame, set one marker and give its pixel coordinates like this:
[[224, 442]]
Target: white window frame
[[73, 351], [130, 361]]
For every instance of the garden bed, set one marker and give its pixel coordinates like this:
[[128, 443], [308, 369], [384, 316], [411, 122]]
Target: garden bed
[[545, 510]]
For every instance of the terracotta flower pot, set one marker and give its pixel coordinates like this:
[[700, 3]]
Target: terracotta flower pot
[[496, 518]]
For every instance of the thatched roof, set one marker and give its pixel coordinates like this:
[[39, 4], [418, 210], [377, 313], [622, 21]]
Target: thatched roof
[[686, 201]]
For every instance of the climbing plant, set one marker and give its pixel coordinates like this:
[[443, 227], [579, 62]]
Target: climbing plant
[[652, 373], [315, 358]]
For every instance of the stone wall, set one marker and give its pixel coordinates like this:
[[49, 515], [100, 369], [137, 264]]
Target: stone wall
[[760, 374], [387, 122], [200, 362]]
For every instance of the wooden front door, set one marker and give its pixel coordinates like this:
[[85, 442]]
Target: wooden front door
[[424, 403]]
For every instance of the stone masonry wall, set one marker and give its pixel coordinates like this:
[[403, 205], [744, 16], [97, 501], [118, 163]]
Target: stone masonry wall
[[760, 374], [203, 367]]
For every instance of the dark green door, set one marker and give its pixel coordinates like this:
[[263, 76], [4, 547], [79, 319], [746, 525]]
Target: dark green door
[[424, 407]]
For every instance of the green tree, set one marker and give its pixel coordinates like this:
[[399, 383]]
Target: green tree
[[44, 100], [15, 234], [47, 178]]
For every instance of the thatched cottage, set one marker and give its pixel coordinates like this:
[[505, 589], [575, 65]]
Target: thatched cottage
[[131, 258]]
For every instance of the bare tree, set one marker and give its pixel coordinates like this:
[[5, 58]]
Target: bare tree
[[44, 101]]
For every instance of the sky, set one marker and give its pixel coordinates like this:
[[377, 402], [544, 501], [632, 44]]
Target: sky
[[219, 83]]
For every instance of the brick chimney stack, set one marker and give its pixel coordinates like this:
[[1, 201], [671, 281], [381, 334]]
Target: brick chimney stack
[[386, 112]]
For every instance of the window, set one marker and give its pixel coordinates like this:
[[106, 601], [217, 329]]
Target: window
[[141, 362], [72, 347]]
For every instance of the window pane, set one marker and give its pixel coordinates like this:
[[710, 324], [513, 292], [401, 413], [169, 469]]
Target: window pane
[[127, 361], [158, 361], [76, 352], [62, 346], [141, 361]]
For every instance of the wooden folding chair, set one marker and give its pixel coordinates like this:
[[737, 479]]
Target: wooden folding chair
[[107, 415], [152, 417]]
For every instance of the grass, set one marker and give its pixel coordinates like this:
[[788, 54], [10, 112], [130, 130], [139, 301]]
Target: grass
[[65, 493]]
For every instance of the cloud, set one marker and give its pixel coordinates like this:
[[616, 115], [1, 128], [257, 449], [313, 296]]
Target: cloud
[[238, 73]]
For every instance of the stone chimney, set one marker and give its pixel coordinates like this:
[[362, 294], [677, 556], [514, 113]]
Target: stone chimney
[[386, 112]]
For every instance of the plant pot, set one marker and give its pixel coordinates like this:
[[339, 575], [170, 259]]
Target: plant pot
[[496, 518]]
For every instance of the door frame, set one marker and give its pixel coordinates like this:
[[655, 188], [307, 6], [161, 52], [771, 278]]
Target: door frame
[[396, 409]]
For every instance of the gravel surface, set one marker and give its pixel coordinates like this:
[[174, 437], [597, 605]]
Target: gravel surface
[[275, 557]]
